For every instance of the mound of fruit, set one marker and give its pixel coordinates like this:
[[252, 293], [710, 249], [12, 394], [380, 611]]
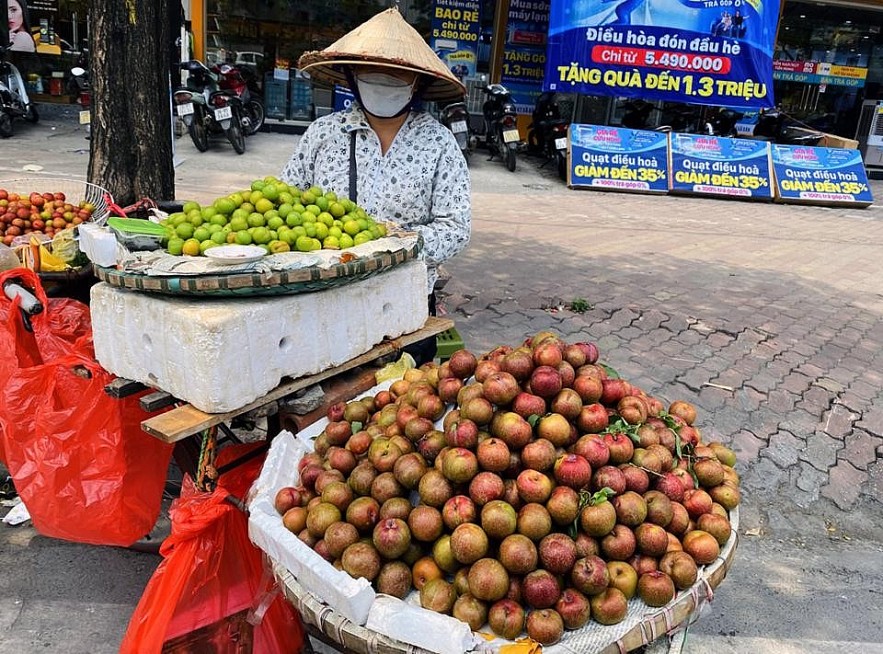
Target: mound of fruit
[[275, 216], [548, 491], [47, 213]]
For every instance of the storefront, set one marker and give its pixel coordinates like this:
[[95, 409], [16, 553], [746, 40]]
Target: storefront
[[828, 61], [50, 38]]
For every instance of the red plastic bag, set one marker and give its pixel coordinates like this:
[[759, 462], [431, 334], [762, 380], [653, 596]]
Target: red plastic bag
[[78, 457], [212, 577]]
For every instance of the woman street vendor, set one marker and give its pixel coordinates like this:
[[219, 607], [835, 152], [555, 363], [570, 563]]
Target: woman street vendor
[[385, 152]]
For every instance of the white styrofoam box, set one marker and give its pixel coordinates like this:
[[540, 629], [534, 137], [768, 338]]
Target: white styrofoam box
[[219, 354], [98, 244]]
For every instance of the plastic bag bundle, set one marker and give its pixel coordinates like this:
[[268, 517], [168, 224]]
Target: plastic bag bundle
[[78, 457]]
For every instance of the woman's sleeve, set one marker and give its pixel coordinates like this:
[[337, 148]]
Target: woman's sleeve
[[448, 233], [299, 171]]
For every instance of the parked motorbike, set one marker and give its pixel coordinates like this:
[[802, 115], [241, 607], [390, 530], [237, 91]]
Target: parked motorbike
[[777, 126], [230, 78], [501, 134], [207, 110], [547, 135], [455, 117], [14, 100]]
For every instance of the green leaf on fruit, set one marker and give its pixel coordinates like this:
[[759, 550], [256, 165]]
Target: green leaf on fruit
[[611, 372], [602, 495], [533, 419], [679, 452], [355, 426], [620, 426]]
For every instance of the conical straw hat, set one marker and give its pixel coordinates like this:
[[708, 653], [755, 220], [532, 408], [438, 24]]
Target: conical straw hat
[[384, 40]]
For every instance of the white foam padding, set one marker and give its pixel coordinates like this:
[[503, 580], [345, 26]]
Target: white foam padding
[[219, 354]]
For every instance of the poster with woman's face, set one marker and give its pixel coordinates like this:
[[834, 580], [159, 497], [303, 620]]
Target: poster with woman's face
[[19, 26], [32, 25]]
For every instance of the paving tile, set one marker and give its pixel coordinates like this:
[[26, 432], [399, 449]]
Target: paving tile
[[872, 421], [821, 451], [860, 449], [783, 449], [839, 421], [844, 485]]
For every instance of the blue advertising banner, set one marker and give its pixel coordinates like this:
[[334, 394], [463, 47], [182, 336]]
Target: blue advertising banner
[[714, 165], [524, 57], [456, 25], [713, 52], [618, 159], [820, 175]]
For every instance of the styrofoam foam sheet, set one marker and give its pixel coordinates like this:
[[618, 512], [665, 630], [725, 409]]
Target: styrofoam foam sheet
[[219, 354]]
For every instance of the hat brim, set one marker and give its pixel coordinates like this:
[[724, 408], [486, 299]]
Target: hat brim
[[329, 67]]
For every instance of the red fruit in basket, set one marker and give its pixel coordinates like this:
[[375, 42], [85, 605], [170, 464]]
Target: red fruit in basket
[[500, 388], [391, 537], [438, 595], [716, 525], [361, 560], [621, 448], [486, 487], [590, 575], [681, 567], [697, 502], [702, 546], [598, 519], [286, 498], [488, 580], [493, 455], [540, 589], [539, 455], [555, 428], [563, 505], [518, 363], [557, 553], [548, 353], [512, 429], [609, 477], [527, 405], [484, 369], [545, 381], [462, 433], [338, 537], [534, 521], [656, 588], [518, 554], [506, 619], [326, 477], [462, 364], [295, 519], [572, 470], [533, 486], [567, 403], [545, 626], [592, 418], [636, 479], [574, 608], [363, 513], [470, 610], [619, 544]]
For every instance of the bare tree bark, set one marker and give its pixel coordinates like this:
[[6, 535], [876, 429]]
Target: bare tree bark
[[131, 149]]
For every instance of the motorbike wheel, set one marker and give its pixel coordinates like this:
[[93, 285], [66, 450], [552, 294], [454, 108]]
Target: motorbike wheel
[[197, 130], [5, 125], [510, 159], [32, 116], [256, 114], [235, 134], [562, 167]]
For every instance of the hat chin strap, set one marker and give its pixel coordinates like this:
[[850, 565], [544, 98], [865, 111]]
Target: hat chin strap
[[422, 83]]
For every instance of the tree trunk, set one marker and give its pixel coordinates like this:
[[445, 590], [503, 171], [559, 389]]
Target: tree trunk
[[131, 148]]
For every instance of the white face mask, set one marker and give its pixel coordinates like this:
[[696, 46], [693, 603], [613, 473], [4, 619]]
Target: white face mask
[[383, 95]]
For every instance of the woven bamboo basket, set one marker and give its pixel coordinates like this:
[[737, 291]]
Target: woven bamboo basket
[[289, 282], [75, 191], [679, 613]]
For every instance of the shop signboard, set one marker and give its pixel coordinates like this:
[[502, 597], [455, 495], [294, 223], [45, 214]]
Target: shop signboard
[[32, 26], [456, 25], [524, 56], [618, 159], [714, 165], [713, 52], [813, 72], [820, 175]]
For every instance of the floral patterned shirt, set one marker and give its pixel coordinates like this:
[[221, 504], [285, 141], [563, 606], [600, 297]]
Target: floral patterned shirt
[[421, 183]]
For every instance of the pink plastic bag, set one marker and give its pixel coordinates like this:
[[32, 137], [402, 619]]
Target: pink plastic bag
[[211, 579], [78, 457]]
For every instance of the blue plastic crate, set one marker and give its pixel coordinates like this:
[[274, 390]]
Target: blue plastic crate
[[301, 99], [275, 97]]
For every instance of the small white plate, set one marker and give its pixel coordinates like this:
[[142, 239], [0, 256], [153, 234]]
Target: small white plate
[[232, 254]]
